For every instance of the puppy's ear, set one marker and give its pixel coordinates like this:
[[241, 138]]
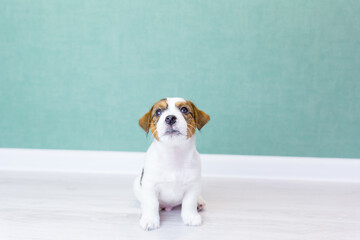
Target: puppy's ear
[[145, 121], [201, 118]]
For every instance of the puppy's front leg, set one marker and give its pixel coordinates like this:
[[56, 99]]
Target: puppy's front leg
[[189, 211], [150, 218]]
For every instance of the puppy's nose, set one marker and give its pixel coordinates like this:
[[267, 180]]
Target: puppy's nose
[[171, 119]]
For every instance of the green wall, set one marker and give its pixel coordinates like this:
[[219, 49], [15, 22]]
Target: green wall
[[277, 77]]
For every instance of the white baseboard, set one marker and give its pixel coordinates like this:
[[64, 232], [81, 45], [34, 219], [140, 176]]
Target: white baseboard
[[334, 169]]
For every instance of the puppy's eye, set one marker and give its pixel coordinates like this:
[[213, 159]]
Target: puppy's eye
[[184, 110], [158, 112]]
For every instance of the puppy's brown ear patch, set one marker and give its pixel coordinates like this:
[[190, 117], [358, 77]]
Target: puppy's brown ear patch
[[201, 118], [145, 121]]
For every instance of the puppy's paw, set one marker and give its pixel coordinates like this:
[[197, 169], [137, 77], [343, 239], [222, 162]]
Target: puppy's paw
[[149, 223], [192, 219]]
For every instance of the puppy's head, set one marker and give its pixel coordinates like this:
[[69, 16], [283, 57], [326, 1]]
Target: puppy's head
[[173, 120]]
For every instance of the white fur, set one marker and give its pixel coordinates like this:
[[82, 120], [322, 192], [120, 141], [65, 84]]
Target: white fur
[[172, 174]]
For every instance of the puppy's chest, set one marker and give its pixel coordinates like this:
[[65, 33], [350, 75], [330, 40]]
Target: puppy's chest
[[172, 186], [183, 177], [175, 181]]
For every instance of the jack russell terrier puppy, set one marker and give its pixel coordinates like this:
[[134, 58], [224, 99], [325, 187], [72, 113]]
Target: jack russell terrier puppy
[[172, 171]]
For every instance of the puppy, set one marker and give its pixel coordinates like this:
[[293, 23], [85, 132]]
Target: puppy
[[172, 170]]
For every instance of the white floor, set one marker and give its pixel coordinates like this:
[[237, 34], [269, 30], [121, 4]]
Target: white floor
[[36, 205]]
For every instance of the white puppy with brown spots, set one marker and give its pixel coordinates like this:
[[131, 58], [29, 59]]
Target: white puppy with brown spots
[[172, 171]]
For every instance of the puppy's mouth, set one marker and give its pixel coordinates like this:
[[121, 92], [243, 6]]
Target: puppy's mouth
[[172, 132]]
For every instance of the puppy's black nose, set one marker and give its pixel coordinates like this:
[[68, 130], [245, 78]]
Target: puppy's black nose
[[171, 119]]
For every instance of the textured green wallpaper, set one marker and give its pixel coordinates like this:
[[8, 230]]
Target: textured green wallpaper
[[276, 77]]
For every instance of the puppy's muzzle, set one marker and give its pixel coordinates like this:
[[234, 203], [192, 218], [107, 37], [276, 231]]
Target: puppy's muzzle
[[171, 120]]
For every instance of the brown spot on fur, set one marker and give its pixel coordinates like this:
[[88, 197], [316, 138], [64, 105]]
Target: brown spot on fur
[[195, 118], [149, 120], [189, 117]]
